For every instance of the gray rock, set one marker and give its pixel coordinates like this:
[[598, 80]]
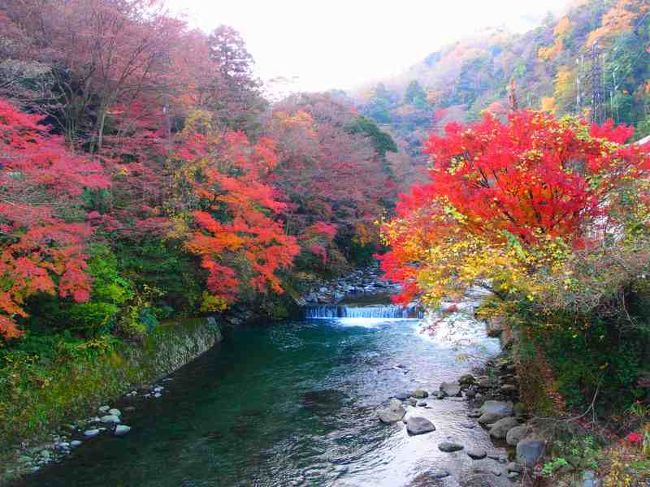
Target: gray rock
[[448, 446], [484, 480], [420, 394], [103, 409], [63, 445], [75, 443], [476, 453], [121, 430], [412, 401], [45, 454], [418, 425], [513, 475], [422, 404], [492, 411], [115, 412], [514, 467], [508, 388], [109, 419], [474, 414], [157, 394], [91, 433], [392, 413], [402, 396], [450, 388], [530, 450], [430, 478], [500, 428], [515, 434]]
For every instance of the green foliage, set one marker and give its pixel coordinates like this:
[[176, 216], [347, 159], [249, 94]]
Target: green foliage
[[553, 466], [381, 141], [163, 266]]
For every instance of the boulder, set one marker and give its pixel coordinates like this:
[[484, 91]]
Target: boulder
[[449, 446], [393, 413], [450, 388], [103, 409], [476, 453], [91, 433], [115, 412], [420, 394], [515, 434], [500, 428], [530, 450], [492, 411], [75, 443], [418, 425]]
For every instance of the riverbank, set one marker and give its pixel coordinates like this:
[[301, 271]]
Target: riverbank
[[42, 402]]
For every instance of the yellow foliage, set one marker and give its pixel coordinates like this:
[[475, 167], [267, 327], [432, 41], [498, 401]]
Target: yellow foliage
[[211, 303], [548, 104], [617, 19]]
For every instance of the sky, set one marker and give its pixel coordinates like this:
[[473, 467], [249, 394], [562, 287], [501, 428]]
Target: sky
[[317, 45]]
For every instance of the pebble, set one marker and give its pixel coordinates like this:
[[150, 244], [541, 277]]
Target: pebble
[[110, 419], [121, 430]]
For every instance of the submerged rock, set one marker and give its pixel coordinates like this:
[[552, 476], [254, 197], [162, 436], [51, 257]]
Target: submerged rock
[[476, 453], [484, 480], [449, 446], [393, 413], [418, 425]]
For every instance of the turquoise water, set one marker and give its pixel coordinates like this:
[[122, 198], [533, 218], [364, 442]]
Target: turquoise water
[[289, 404]]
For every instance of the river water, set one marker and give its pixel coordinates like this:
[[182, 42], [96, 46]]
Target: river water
[[293, 404]]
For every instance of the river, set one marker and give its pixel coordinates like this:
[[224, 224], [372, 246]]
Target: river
[[293, 404]]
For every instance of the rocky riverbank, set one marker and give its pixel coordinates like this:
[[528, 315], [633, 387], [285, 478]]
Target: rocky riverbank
[[492, 405], [134, 372], [360, 282]]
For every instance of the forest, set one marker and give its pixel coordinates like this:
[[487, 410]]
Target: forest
[[145, 177]]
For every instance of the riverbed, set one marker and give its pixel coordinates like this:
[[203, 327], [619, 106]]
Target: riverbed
[[294, 404]]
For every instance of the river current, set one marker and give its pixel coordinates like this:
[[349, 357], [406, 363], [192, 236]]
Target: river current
[[293, 404]]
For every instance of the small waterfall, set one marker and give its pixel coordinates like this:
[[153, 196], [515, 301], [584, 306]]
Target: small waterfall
[[385, 311]]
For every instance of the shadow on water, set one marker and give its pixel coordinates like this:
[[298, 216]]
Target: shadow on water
[[291, 404]]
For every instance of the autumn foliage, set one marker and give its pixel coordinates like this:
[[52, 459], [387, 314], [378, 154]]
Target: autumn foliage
[[43, 229], [234, 228], [507, 199]]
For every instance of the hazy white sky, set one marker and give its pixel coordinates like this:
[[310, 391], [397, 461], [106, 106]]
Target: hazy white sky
[[324, 44]]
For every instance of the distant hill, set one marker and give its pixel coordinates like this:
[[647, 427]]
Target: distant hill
[[593, 60]]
